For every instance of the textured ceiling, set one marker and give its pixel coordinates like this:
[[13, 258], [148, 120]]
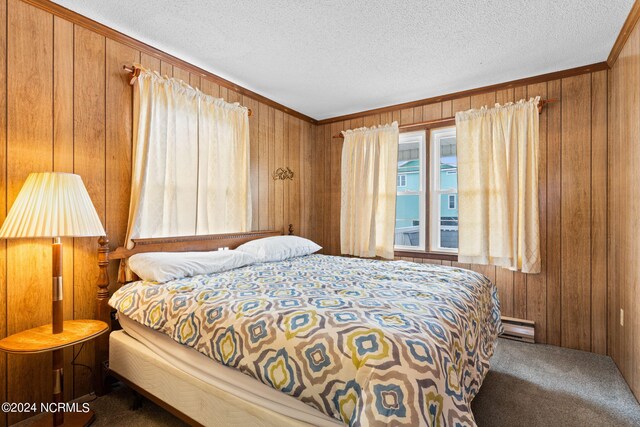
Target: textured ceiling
[[333, 57]]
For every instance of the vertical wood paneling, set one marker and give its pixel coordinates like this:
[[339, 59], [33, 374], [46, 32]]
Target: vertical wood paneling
[[63, 157], [576, 212], [329, 170], [278, 157], [3, 200], [224, 93], [335, 182], [180, 74], [406, 117], [554, 195], [543, 298], [478, 101], [632, 212], [306, 174], [211, 88], [599, 212], [460, 104], [29, 149], [317, 185], [504, 282], [447, 109], [432, 111], [282, 162], [89, 163], [264, 171], [118, 143], [150, 62], [623, 215], [271, 132], [194, 80], [165, 68], [613, 222], [417, 114], [536, 298], [119, 138], [233, 96], [294, 186], [372, 120]]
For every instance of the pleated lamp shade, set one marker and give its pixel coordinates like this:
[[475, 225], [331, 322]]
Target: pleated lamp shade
[[52, 204]]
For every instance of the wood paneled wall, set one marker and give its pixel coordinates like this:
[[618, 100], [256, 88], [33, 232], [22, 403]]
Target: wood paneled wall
[[66, 105], [624, 211], [567, 300]]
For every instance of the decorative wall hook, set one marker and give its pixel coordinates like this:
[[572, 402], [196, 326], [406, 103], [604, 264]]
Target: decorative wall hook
[[282, 173]]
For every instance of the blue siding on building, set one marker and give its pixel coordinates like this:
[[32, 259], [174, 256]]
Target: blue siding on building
[[408, 205]]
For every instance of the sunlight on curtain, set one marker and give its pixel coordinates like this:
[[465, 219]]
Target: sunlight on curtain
[[368, 199], [224, 192], [498, 186], [190, 162]]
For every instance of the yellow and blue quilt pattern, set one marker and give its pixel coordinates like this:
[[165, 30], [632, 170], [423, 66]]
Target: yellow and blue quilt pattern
[[367, 342]]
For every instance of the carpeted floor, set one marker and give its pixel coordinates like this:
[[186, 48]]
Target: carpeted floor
[[528, 385], [542, 385]]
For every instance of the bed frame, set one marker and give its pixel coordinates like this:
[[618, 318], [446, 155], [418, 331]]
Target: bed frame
[[165, 244]]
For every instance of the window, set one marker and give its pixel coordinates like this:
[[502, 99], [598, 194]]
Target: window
[[443, 204], [427, 195], [452, 201], [410, 232]]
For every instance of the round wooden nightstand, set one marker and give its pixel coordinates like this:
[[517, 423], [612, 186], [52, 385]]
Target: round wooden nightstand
[[42, 339]]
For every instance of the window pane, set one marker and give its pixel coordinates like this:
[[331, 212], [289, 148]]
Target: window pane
[[448, 164], [448, 228], [409, 186], [407, 220]]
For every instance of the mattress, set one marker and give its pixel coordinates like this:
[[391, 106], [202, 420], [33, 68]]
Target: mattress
[[365, 342], [198, 367]]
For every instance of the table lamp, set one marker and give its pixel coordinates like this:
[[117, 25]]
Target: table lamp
[[53, 205]]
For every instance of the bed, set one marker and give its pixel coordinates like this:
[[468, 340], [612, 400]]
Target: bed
[[317, 340]]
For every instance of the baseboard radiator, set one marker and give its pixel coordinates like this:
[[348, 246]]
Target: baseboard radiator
[[518, 329]]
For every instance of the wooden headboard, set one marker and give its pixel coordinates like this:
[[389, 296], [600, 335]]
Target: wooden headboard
[[161, 244]]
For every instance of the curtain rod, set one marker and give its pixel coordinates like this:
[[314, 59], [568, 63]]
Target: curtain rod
[[541, 105], [135, 72]]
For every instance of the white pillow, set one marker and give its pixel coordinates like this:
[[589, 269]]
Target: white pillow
[[278, 248], [165, 266]]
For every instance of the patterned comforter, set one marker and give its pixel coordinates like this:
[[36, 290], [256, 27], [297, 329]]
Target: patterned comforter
[[367, 342]]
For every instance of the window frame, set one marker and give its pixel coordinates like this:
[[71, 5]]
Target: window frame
[[419, 136], [435, 192], [427, 252]]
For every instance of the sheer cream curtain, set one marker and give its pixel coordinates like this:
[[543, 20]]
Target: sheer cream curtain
[[190, 162], [165, 158], [498, 186], [224, 193], [368, 199]]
